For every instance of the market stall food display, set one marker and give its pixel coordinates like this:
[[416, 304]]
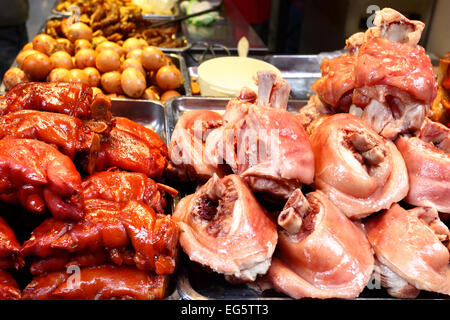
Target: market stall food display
[[262, 195]]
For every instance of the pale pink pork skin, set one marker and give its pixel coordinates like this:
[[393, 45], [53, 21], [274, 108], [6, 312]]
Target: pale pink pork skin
[[224, 228], [322, 255], [409, 248]]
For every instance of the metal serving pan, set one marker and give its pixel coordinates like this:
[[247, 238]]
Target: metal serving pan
[[193, 282], [299, 70], [175, 12]]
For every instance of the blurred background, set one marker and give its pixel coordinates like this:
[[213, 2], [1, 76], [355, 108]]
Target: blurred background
[[313, 26]]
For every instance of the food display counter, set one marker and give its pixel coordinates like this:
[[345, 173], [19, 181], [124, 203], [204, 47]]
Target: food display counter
[[322, 177]]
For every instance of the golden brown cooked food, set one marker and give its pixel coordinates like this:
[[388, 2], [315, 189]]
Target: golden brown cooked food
[[115, 24], [441, 105]]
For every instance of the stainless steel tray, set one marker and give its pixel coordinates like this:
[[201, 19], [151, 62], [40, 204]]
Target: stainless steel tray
[[299, 70], [193, 282], [148, 113]]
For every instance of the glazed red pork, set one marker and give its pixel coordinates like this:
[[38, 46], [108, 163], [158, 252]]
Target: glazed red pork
[[123, 186], [103, 282], [359, 171], [427, 158], [132, 146], [39, 177], [224, 228], [321, 253], [9, 290], [129, 231], [73, 99], [411, 252], [71, 135], [9, 248]]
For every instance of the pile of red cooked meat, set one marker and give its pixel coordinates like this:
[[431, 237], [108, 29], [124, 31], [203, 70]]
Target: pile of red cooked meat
[[86, 180]]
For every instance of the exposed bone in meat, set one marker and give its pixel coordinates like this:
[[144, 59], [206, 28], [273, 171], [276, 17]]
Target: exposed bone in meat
[[354, 42], [187, 153], [435, 133], [266, 146], [327, 257], [38, 176], [121, 186], [112, 226], [9, 248], [272, 90], [9, 290], [133, 147], [359, 171], [400, 78], [410, 248], [428, 163], [396, 27], [391, 25], [104, 282], [386, 74], [274, 154], [226, 229]]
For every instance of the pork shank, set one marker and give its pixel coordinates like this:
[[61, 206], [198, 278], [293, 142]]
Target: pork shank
[[224, 228], [321, 253], [359, 171], [410, 250]]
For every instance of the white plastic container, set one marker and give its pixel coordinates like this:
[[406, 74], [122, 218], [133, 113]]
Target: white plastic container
[[225, 76]]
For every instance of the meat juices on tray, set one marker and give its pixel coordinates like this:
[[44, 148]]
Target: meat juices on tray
[[320, 253], [224, 228]]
